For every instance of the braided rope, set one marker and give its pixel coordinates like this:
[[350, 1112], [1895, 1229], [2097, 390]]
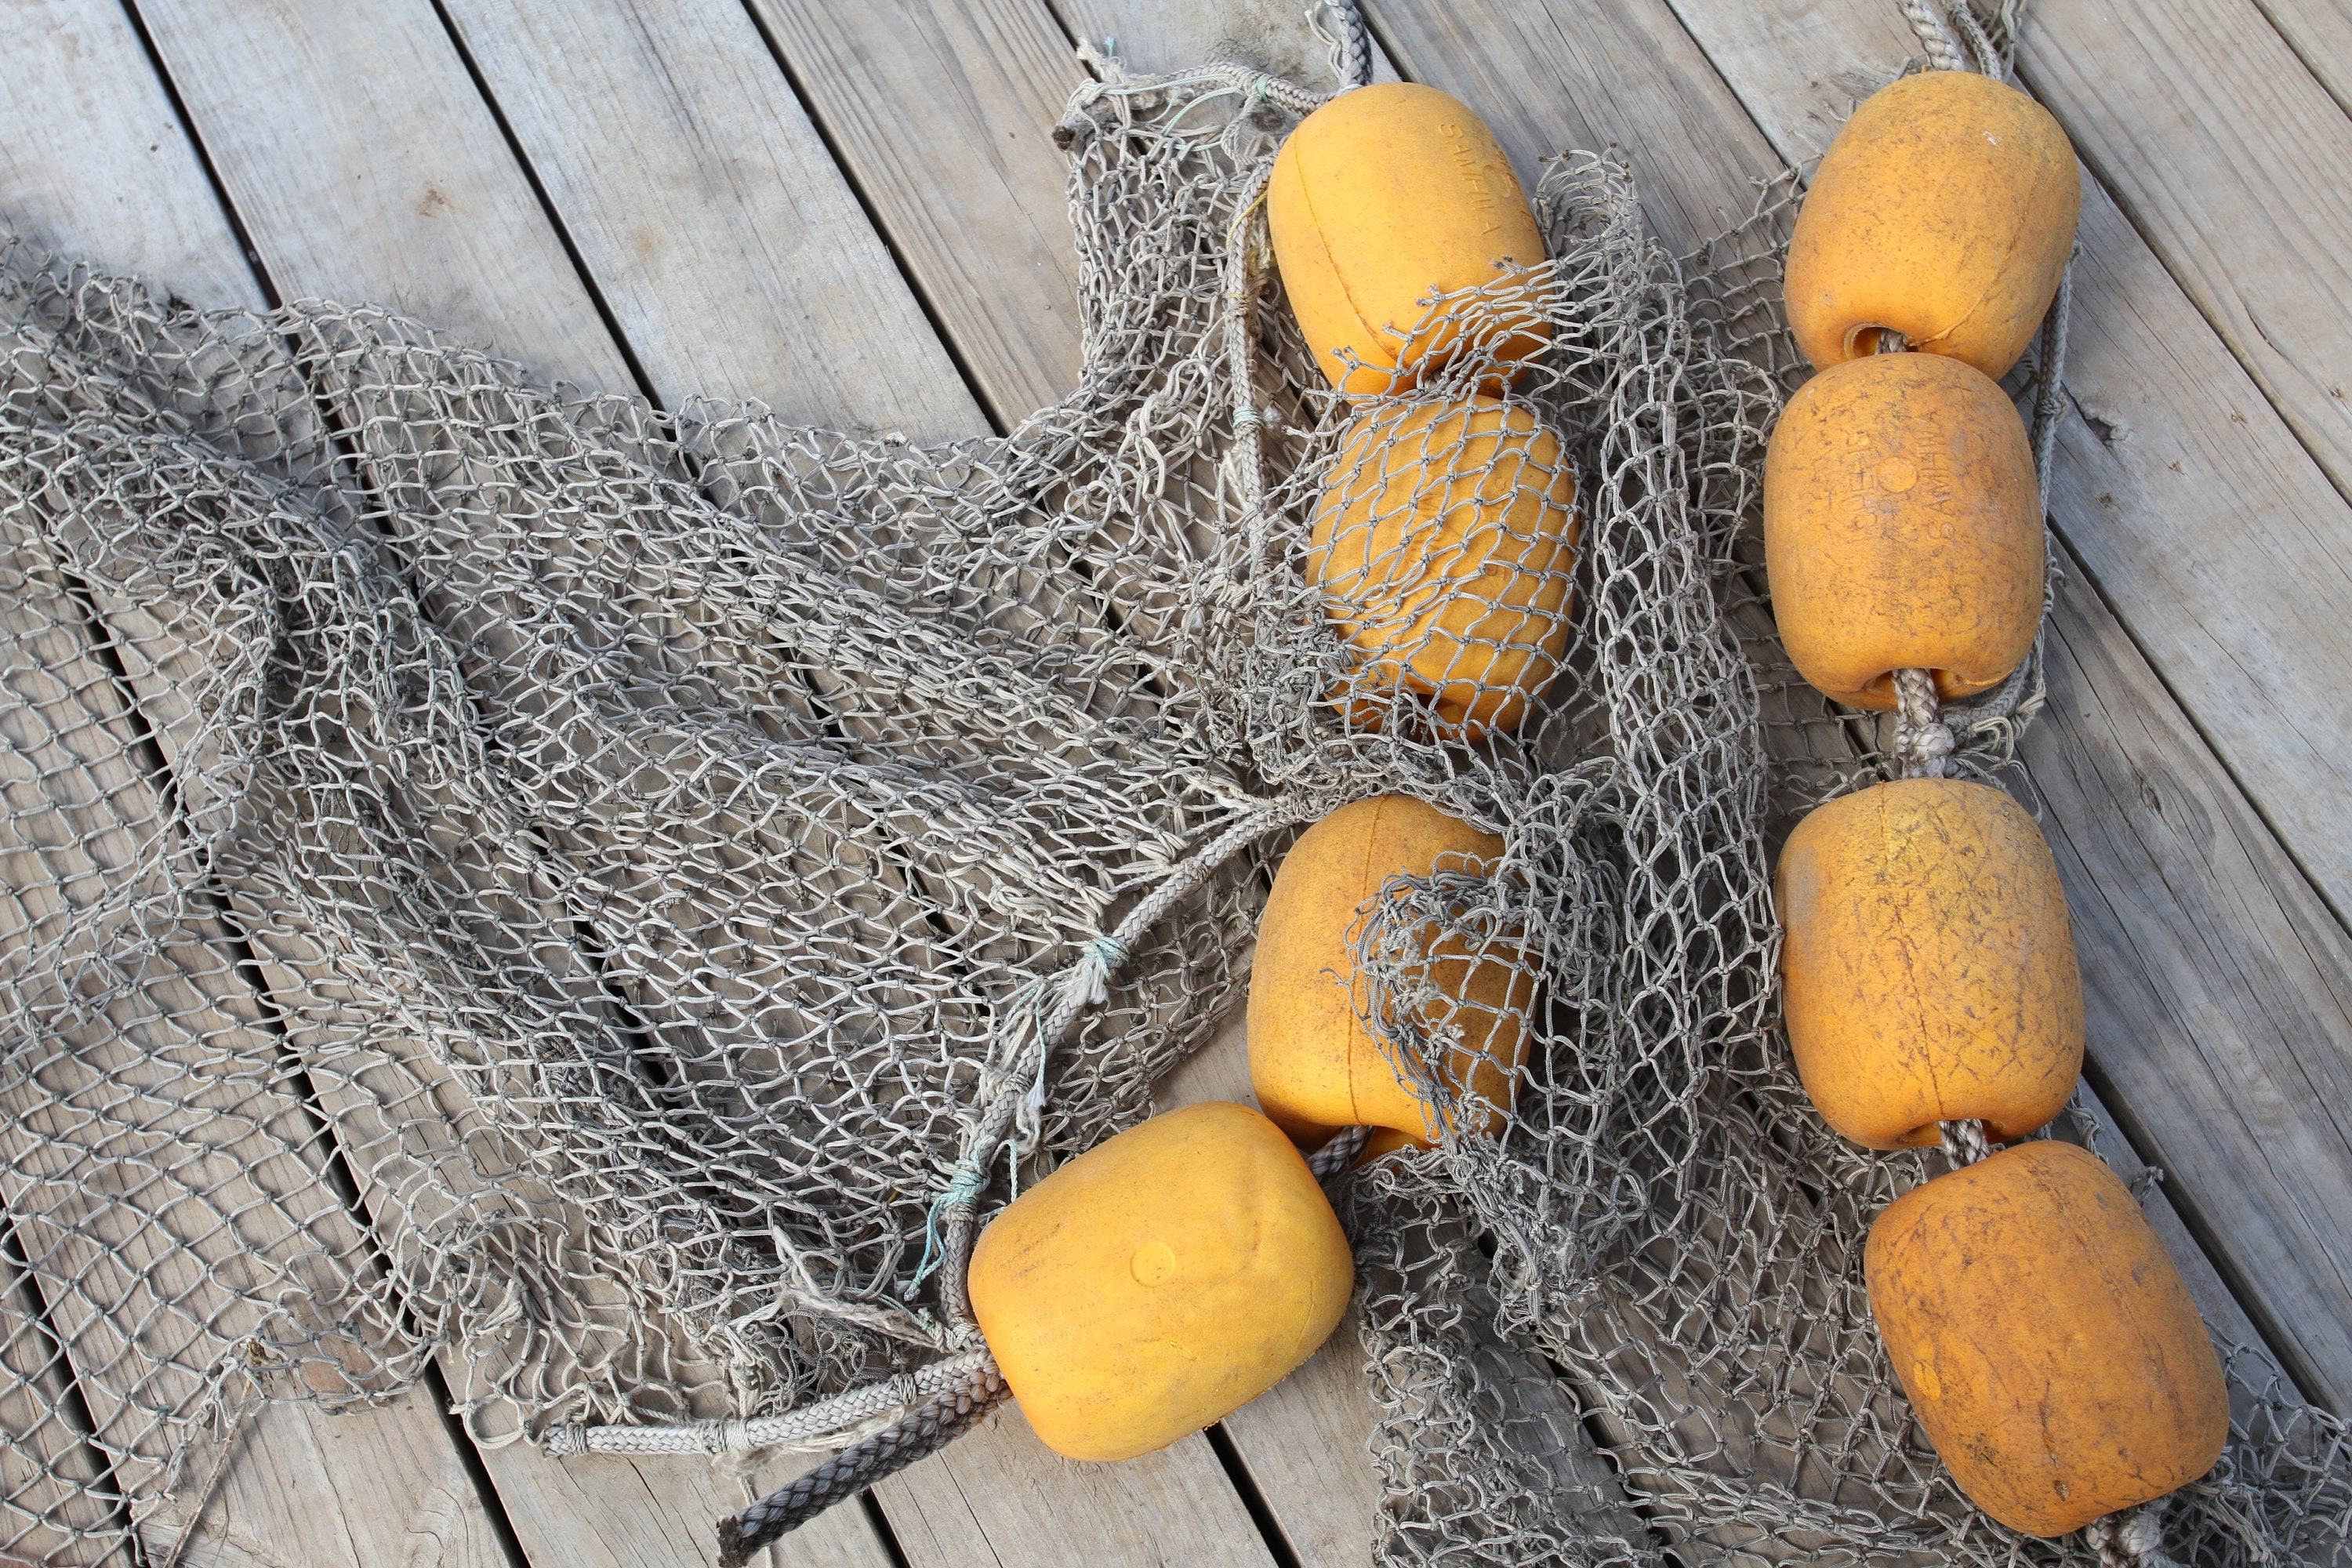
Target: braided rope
[[1349, 40], [1924, 743], [1113, 80], [1988, 59], [828, 1419], [920, 1434], [1935, 35], [1338, 1153], [1966, 1141]]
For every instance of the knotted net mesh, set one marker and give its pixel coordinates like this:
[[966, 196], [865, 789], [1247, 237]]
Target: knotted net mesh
[[528, 878]]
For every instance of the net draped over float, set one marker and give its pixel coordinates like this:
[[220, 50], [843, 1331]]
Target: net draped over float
[[681, 915]]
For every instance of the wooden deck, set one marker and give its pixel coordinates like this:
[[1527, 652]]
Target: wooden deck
[[853, 212]]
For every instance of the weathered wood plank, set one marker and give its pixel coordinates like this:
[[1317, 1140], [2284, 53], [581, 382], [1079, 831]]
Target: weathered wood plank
[[601, 1511], [2219, 991], [1550, 77], [91, 161], [1181, 1499], [1191, 1503], [2320, 33], [2166, 431], [1271, 35], [733, 256], [2229, 157], [1304, 1442], [999, 1496], [896, 116], [401, 1494], [942, 115], [365, 167], [95, 164], [53, 1484]]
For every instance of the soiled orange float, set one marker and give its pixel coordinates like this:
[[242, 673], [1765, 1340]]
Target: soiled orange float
[[1945, 210], [1445, 539], [1160, 1281], [1902, 529], [1928, 963], [2046, 1338], [1313, 1065], [1380, 198]]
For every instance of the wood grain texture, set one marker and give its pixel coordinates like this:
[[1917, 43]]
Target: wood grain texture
[[2165, 439], [732, 255], [366, 168], [989, 71], [389, 1486], [602, 1511], [997, 1495], [984, 1496], [95, 164], [2217, 991], [2229, 157], [1599, 78], [54, 1483], [309, 1489], [2320, 33], [153, 1246], [1271, 35], [944, 116]]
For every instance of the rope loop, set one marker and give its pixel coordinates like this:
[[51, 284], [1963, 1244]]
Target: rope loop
[[1924, 742], [1347, 37], [1935, 35]]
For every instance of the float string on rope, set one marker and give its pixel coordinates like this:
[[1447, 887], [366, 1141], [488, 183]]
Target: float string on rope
[[975, 1385], [1924, 740]]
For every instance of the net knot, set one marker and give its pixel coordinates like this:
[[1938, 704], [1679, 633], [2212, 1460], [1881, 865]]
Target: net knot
[[2131, 1539], [1089, 982], [965, 1184], [1922, 740]]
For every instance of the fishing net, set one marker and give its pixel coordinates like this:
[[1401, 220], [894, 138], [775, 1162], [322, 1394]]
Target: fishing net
[[598, 895]]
